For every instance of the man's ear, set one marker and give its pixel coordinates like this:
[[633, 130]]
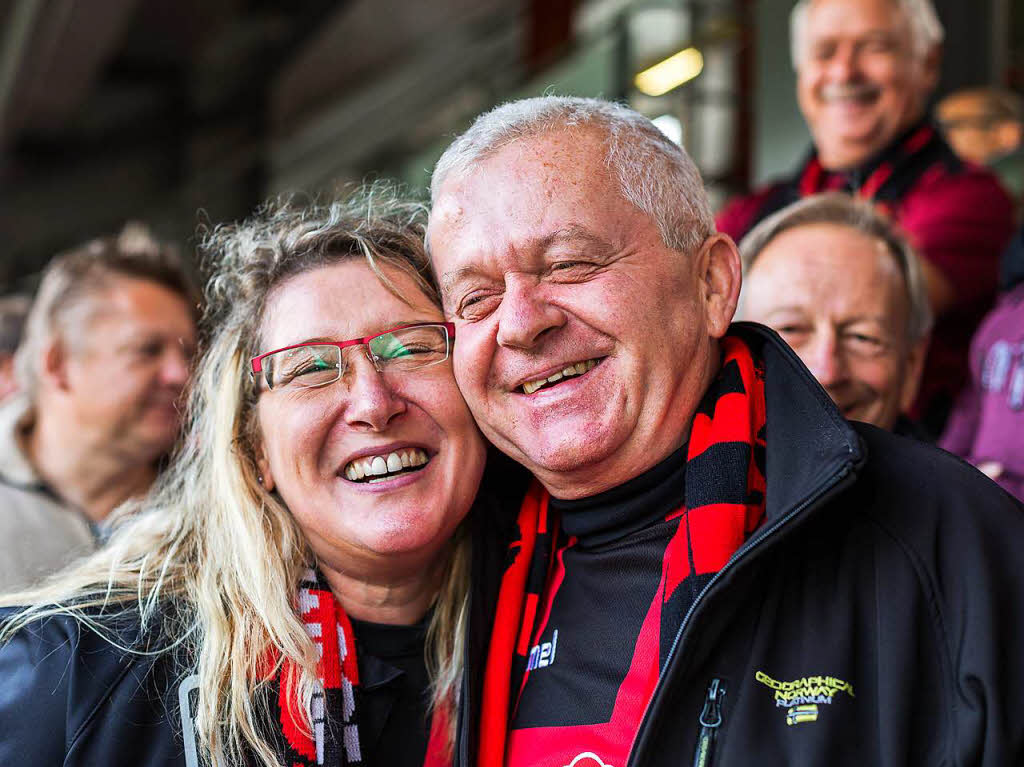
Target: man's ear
[[720, 278], [931, 69], [912, 373], [54, 369]]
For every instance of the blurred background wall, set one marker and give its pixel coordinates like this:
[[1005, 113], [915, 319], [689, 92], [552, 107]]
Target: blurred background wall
[[176, 112]]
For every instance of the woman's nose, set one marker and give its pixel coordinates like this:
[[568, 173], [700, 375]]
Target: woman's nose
[[372, 401]]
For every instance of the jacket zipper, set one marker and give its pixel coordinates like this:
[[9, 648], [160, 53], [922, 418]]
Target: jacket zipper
[[832, 483], [710, 721]]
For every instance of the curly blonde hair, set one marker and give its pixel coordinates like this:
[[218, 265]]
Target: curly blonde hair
[[209, 540]]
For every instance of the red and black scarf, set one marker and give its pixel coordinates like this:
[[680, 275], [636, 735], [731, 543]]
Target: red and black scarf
[[732, 411], [883, 181], [334, 716]]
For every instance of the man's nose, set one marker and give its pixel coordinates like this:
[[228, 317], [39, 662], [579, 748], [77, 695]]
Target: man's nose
[[371, 401], [824, 358], [844, 66], [526, 313], [175, 365]]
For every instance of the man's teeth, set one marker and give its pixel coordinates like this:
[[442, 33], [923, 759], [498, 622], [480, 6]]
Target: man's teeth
[[378, 467], [576, 369]]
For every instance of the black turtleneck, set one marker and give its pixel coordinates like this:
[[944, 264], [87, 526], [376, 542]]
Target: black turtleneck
[[606, 575]]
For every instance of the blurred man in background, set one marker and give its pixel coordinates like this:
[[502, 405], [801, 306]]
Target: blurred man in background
[[986, 126], [865, 70], [102, 366], [844, 289], [13, 311]]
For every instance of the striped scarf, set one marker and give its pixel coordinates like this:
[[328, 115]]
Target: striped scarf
[[727, 433], [334, 739]]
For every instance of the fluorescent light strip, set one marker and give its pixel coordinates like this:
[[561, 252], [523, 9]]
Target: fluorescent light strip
[[670, 73]]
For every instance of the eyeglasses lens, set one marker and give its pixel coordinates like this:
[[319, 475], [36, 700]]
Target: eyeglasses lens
[[399, 350], [306, 366], [410, 348]]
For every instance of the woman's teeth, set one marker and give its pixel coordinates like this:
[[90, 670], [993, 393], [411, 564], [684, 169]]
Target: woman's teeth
[[376, 468], [569, 371]]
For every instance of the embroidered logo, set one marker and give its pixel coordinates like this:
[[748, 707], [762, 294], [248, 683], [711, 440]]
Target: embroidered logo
[[543, 654], [802, 697]]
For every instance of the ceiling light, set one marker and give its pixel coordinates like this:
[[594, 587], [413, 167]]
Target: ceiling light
[[670, 73]]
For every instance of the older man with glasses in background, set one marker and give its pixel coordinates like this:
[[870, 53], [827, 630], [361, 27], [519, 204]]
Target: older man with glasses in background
[[865, 70], [102, 366]]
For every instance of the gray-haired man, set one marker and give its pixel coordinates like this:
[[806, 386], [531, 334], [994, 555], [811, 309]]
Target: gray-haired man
[[102, 364], [713, 565], [844, 289], [865, 70]]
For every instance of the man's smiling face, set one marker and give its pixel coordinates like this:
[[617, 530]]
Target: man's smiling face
[[860, 81], [583, 344]]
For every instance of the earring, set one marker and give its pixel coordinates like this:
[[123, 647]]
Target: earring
[[259, 478]]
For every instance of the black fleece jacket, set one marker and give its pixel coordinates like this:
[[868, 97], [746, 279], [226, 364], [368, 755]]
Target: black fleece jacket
[[876, 618]]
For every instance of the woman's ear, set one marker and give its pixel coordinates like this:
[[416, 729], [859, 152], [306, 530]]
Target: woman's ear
[[264, 475]]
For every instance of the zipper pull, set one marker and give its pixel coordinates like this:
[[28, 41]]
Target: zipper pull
[[710, 721]]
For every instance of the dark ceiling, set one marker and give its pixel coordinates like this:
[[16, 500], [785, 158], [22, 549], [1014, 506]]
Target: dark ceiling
[[156, 109]]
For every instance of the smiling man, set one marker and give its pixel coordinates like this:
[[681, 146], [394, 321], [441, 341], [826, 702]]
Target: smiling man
[[865, 70], [102, 365], [711, 554], [844, 289]]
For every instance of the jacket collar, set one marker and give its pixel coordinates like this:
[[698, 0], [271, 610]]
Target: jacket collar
[[15, 468], [808, 442]]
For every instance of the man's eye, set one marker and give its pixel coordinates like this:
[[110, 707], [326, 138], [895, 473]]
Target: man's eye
[[477, 305], [150, 350], [823, 52], [865, 342], [791, 330], [879, 45], [570, 269]]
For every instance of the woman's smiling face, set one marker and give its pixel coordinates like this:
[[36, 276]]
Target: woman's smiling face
[[314, 440]]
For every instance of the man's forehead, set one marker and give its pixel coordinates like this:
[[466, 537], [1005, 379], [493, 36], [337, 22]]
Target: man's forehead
[[836, 17]]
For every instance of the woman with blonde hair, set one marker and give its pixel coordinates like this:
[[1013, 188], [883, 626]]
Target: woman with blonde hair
[[293, 591]]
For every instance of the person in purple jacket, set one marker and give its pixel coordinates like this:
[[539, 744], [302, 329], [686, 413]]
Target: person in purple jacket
[[987, 424]]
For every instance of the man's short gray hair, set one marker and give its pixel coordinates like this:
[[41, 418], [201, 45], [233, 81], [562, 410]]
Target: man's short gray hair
[[926, 30], [842, 210], [655, 174], [75, 282]]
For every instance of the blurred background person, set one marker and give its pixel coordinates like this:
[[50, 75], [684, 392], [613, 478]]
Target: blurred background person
[[292, 592], [987, 424], [986, 126], [102, 365], [13, 311], [844, 289], [865, 70]]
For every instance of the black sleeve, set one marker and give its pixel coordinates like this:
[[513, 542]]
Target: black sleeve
[[968, 556], [34, 694]]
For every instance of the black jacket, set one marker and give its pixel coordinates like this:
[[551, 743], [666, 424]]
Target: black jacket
[[876, 618], [71, 697]]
